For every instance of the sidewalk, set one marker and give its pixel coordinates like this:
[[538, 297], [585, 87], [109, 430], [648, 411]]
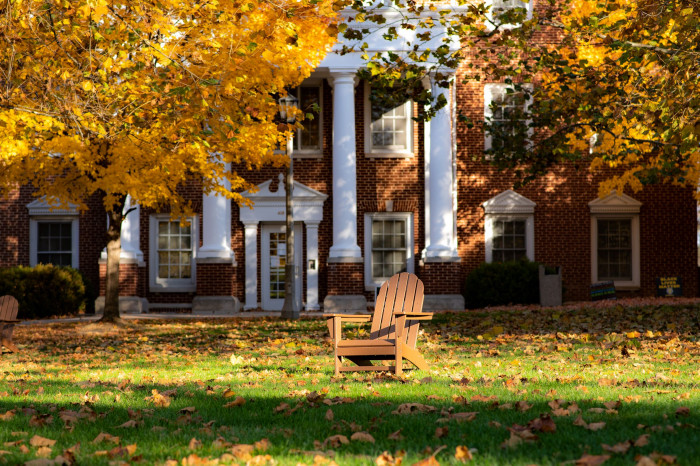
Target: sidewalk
[[170, 316]]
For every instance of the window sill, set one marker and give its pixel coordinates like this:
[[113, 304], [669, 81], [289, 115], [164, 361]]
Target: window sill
[[389, 155], [163, 288]]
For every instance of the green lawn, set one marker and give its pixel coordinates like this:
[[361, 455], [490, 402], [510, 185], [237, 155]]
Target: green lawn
[[522, 386]]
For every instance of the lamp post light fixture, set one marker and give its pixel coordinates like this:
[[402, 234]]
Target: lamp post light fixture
[[290, 308]]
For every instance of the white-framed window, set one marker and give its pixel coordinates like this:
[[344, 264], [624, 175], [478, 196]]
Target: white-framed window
[[53, 240], [509, 227], [53, 234], [502, 104], [388, 126], [308, 141], [615, 254], [388, 246], [173, 249], [500, 7]]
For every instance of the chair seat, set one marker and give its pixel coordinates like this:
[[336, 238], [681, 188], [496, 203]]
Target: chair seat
[[368, 343]]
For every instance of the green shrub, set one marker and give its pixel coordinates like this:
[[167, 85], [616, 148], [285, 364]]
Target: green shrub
[[44, 290], [502, 283]]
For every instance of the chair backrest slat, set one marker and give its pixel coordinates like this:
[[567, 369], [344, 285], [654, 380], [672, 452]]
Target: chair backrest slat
[[401, 293], [8, 308]]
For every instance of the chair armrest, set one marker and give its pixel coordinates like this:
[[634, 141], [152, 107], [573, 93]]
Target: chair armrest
[[415, 315], [334, 321]]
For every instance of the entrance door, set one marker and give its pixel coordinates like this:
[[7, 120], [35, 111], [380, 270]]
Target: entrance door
[[274, 255]]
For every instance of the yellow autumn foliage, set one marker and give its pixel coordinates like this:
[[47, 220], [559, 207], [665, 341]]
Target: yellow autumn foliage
[[135, 98]]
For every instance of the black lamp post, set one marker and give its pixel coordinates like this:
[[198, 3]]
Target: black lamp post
[[290, 308]]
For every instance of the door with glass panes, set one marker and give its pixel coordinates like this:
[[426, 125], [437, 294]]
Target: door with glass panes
[[274, 259]]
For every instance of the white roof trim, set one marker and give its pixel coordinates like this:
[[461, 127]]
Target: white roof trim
[[268, 206], [42, 207], [615, 204], [509, 202]]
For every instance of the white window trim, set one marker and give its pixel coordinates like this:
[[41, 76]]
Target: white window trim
[[34, 236], [178, 285], [488, 112], [528, 5], [370, 151], [370, 284], [616, 207], [509, 206]]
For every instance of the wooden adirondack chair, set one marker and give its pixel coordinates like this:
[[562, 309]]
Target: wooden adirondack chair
[[8, 319], [395, 322]]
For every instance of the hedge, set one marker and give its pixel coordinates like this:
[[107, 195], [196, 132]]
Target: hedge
[[44, 290]]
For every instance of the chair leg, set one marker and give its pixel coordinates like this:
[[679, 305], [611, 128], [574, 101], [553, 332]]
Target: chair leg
[[398, 369], [7, 330], [337, 365]]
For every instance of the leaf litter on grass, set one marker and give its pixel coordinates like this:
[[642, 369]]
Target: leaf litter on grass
[[606, 382]]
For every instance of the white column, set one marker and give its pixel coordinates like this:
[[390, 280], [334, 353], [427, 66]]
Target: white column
[[312, 266], [216, 226], [131, 233], [440, 213], [251, 265], [344, 168]]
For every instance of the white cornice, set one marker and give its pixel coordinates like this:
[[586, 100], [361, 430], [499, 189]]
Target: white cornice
[[509, 202], [615, 204]]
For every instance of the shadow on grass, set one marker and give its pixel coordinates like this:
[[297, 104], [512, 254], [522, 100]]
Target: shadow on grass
[[299, 425]]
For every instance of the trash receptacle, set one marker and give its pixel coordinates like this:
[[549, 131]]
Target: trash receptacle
[[550, 287]]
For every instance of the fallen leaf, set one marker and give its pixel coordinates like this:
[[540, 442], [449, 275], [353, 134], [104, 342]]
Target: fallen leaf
[[335, 441], [262, 444], [362, 437], [621, 447], [441, 432], [237, 402], [329, 415], [103, 436], [592, 460], [228, 393], [463, 454], [38, 441], [129, 424], [395, 435], [595, 426], [194, 444], [410, 408], [683, 411], [643, 440], [385, 459], [645, 461], [242, 451]]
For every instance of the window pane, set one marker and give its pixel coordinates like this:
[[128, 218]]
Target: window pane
[[614, 249]]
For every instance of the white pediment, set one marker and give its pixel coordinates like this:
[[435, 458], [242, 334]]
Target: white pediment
[[615, 204], [42, 207], [268, 206], [509, 202]]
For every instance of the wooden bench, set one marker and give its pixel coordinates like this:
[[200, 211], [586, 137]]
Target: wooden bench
[[8, 319]]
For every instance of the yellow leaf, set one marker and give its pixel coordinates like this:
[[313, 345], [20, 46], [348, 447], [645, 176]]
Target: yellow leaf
[[86, 85]]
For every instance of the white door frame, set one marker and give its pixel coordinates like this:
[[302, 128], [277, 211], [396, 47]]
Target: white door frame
[[267, 303]]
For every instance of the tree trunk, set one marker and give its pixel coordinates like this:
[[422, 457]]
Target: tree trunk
[[114, 229]]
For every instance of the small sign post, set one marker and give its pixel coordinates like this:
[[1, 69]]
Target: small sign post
[[669, 286]]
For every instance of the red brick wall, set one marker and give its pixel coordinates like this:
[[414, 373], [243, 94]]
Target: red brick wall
[[216, 280]]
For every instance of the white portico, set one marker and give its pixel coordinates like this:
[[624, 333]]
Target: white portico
[[267, 218]]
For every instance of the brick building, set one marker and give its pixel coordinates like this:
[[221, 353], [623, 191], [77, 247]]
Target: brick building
[[375, 193]]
